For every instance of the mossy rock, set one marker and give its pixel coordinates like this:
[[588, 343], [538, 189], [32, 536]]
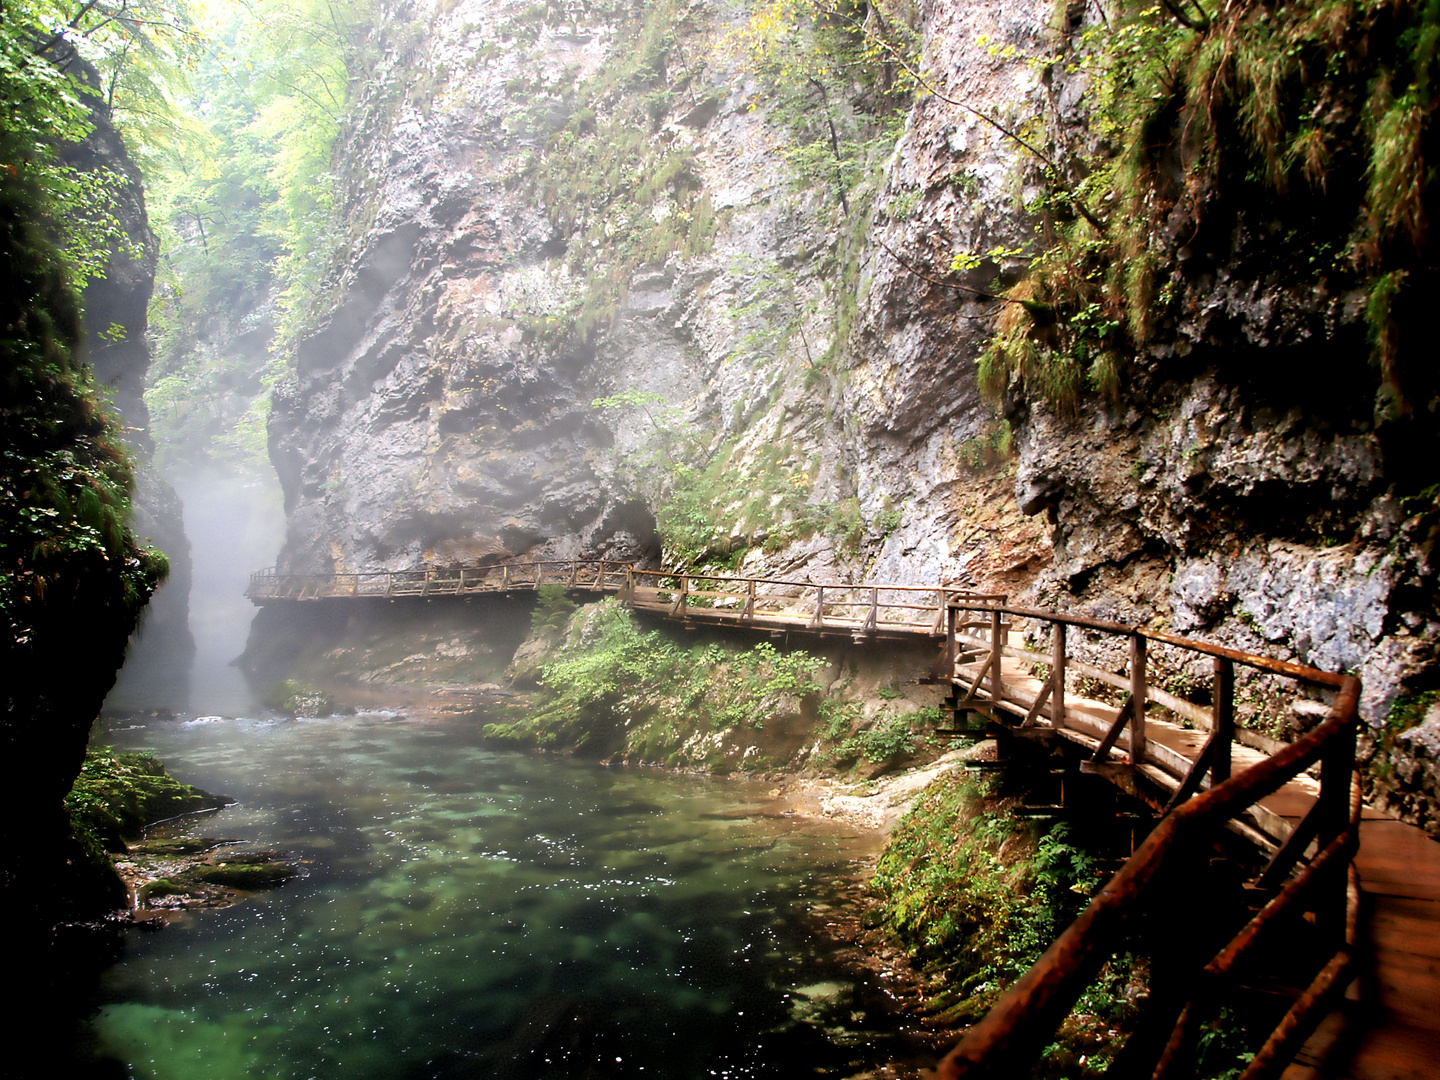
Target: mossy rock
[[184, 845], [245, 875], [153, 890], [117, 794], [299, 699]]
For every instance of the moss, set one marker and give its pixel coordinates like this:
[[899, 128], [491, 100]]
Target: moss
[[117, 794], [153, 890], [975, 897], [245, 875]]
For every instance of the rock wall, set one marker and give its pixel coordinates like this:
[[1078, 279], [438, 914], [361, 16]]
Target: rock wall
[[77, 577], [432, 418], [113, 344]]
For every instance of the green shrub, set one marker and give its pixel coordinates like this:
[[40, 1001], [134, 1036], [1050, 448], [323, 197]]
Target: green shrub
[[615, 688], [553, 609]]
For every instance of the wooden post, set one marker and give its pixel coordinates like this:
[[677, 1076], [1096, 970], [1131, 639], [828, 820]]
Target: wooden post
[[873, 618], [1337, 773], [682, 602], [1057, 674], [937, 627], [952, 616], [355, 586], [505, 577], [996, 687], [389, 582], [574, 572], [1137, 699], [818, 619], [425, 583], [1222, 723], [749, 612]]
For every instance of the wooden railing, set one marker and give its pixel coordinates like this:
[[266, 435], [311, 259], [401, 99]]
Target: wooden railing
[[862, 608], [598, 575], [1323, 888]]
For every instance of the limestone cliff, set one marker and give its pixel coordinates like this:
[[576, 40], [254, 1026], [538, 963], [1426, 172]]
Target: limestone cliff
[[589, 281], [113, 343]]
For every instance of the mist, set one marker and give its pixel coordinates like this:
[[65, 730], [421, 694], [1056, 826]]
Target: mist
[[235, 524]]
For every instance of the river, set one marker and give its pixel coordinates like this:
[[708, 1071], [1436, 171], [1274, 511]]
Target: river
[[473, 913]]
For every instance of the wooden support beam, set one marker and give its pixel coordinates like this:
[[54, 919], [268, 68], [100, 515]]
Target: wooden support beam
[[1137, 699], [682, 602], [817, 620], [1223, 725], [997, 689], [1039, 704], [1057, 674], [1194, 775], [1122, 717], [749, 611], [873, 618], [937, 627]]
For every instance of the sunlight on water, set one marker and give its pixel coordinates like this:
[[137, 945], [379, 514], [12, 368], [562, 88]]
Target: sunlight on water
[[474, 913]]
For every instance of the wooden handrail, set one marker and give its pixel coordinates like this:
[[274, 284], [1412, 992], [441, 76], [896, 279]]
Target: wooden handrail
[[1262, 663]]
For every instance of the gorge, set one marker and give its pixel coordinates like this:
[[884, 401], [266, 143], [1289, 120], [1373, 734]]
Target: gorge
[[1111, 309]]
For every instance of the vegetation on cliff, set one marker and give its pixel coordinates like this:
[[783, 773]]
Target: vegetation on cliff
[[73, 575], [1295, 140], [245, 205]]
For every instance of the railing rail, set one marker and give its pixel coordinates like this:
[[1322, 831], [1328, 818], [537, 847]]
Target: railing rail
[[509, 575], [857, 607], [860, 608]]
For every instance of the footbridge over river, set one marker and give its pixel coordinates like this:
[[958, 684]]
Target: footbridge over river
[[1335, 939]]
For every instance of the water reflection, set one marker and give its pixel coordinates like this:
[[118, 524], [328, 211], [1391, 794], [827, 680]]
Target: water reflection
[[473, 913]]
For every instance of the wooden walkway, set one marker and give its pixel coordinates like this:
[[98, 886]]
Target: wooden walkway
[[1377, 914]]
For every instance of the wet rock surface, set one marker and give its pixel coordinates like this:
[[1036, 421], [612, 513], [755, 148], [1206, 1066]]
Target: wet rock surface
[[176, 874]]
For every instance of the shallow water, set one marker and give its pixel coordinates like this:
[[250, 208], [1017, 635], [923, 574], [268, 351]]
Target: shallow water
[[469, 912]]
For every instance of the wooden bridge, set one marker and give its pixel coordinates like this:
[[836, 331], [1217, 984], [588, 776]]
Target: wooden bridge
[[1342, 899]]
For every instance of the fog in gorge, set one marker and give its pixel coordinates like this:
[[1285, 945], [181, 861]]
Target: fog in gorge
[[234, 525]]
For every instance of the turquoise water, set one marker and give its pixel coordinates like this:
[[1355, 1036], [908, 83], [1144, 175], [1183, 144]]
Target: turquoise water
[[472, 913]]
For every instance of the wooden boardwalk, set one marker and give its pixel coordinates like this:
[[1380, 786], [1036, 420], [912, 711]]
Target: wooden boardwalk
[[1377, 914]]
